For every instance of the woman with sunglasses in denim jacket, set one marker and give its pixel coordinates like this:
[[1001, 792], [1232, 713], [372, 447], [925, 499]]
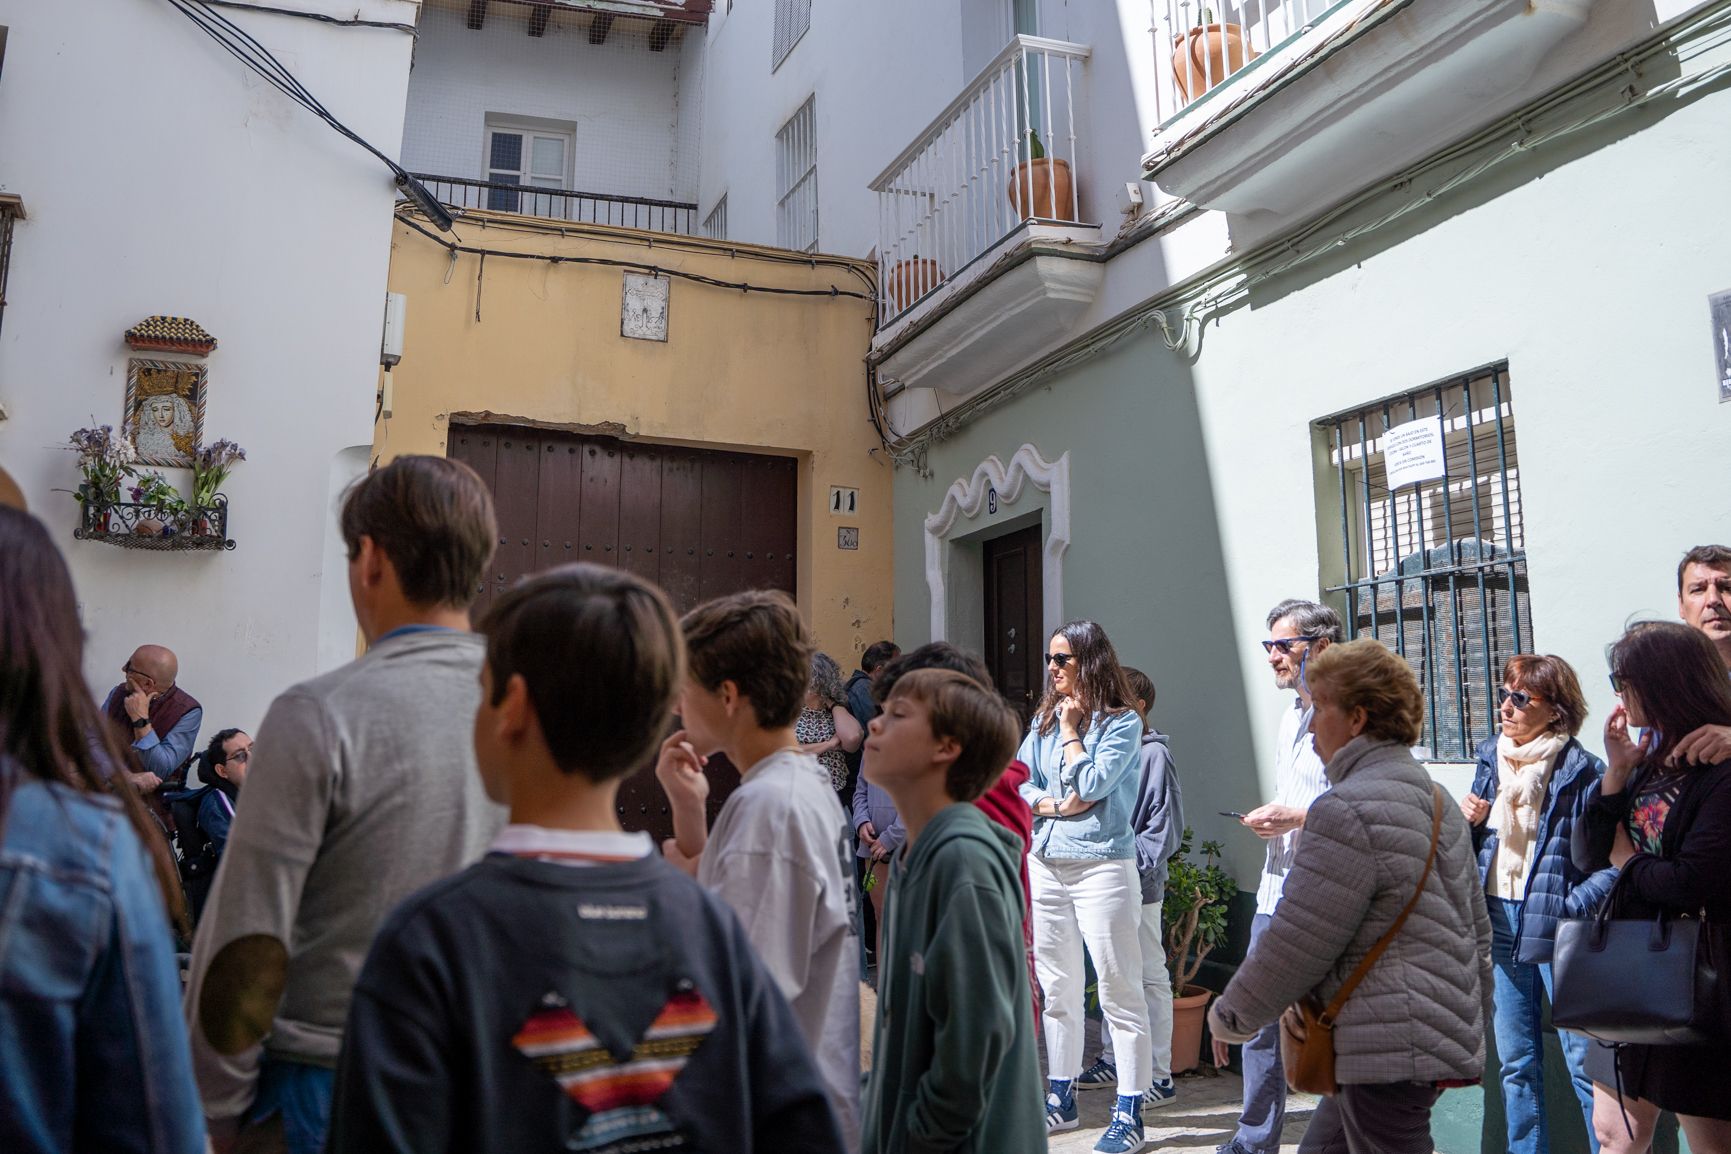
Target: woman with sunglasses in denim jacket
[[91, 1038], [1083, 753], [1527, 795]]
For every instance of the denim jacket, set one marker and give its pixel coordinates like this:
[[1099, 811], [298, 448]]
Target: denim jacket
[[1556, 888], [1106, 774], [91, 1038]]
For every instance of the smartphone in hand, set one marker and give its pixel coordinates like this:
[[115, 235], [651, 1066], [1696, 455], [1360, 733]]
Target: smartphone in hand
[[1231, 813]]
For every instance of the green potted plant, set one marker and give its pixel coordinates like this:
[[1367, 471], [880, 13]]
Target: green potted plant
[[1208, 54], [211, 465], [1043, 187], [1198, 897], [164, 511]]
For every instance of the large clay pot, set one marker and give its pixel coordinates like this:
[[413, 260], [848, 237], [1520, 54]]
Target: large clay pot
[[1054, 190], [912, 279], [1189, 1011], [1206, 55]]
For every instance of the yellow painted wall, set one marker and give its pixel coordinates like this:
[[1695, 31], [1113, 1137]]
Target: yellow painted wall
[[749, 371]]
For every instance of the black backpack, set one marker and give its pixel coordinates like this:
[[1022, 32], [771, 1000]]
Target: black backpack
[[196, 852]]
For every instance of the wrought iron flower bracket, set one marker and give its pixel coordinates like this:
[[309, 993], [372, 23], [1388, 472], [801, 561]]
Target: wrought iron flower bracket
[[119, 523]]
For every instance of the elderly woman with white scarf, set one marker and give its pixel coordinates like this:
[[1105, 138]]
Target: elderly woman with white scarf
[[1530, 788]]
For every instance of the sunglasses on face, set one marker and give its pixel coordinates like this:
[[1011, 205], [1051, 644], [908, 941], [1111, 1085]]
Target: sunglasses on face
[[1618, 683], [1284, 644], [1521, 700], [1060, 659]]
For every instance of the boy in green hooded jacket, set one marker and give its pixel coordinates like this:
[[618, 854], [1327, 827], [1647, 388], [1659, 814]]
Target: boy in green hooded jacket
[[953, 1061]]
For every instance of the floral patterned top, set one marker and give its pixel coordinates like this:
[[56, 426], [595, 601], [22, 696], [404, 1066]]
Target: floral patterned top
[[1649, 808], [816, 725]]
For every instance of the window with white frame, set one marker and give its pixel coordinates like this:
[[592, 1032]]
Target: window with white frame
[[792, 19], [796, 180], [1436, 567], [715, 224], [537, 158]]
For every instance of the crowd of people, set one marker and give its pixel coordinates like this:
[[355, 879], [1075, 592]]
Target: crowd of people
[[424, 929]]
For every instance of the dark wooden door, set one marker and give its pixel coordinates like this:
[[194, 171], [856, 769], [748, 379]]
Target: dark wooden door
[[1014, 645], [699, 523]]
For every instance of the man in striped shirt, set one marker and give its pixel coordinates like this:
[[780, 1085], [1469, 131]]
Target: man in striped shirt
[[1297, 631]]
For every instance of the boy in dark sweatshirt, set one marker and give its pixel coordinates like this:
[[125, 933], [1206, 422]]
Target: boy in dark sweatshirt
[[572, 990], [954, 1064], [1158, 821]]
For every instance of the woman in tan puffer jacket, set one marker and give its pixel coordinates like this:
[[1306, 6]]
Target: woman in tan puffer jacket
[[1416, 1023]]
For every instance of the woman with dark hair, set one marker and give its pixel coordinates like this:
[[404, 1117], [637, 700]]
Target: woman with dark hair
[[1083, 752], [826, 727], [1527, 795], [1668, 828], [91, 1036]]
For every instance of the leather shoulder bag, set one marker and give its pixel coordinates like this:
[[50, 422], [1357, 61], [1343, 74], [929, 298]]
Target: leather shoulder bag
[[1307, 1027], [1658, 981]]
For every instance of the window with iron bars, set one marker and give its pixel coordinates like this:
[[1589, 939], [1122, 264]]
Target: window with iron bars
[[796, 180], [1437, 570], [715, 224]]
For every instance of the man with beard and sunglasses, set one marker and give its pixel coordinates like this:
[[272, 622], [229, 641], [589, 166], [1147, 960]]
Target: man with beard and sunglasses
[[1298, 630]]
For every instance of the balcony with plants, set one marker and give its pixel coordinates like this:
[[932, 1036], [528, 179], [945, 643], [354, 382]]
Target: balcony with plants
[[1274, 110], [969, 214]]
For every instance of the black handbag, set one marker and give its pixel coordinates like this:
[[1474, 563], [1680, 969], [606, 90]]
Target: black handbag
[[1658, 981]]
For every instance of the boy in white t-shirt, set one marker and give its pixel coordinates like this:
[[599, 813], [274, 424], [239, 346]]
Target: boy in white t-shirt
[[780, 852]]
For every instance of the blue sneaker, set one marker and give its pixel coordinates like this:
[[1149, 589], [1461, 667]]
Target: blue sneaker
[[1124, 1135], [1161, 1093], [1098, 1076], [1060, 1108]]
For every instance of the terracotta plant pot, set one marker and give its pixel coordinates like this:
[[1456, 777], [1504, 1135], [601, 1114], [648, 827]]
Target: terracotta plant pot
[[1206, 55], [912, 279], [1054, 191], [1189, 1011]]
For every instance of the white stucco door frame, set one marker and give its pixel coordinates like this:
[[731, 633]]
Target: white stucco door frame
[[965, 499]]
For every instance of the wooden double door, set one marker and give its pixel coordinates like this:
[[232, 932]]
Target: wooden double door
[[700, 523]]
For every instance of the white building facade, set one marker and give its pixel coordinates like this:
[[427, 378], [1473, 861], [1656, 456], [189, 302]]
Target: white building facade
[[158, 176]]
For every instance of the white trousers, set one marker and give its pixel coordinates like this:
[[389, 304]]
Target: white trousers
[[1157, 990], [1096, 903]]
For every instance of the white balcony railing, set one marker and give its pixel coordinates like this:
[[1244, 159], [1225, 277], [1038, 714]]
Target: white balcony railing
[[1003, 153], [1199, 43]]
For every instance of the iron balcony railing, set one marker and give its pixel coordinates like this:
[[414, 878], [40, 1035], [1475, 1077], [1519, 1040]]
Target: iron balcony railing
[[1005, 152], [564, 204], [1200, 43]]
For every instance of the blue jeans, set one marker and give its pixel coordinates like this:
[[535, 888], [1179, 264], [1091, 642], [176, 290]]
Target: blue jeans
[[1264, 1080], [302, 1093], [1521, 989]]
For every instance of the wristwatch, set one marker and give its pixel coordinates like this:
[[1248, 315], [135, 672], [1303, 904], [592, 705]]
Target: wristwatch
[[140, 722]]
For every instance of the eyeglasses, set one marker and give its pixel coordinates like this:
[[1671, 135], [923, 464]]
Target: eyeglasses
[[240, 756], [1060, 659], [1285, 644], [1618, 683], [1521, 700], [128, 670]]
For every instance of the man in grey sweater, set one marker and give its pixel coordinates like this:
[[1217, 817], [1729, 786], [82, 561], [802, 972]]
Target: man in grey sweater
[[362, 791]]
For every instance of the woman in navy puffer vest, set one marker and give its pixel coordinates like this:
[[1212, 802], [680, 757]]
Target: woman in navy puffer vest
[[1530, 789]]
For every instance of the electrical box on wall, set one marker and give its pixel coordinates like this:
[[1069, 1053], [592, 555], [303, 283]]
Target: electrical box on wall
[[391, 348]]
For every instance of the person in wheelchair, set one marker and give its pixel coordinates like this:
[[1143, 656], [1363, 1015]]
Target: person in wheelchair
[[202, 816]]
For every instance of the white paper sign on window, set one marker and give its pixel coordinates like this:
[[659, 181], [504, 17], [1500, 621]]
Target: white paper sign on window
[[1413, 452]]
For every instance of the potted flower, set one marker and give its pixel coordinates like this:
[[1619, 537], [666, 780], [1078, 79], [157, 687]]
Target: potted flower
[[1194, 914], [1208, 54], [211, 465], [164, 511], [1043, 187], [106, 459]]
